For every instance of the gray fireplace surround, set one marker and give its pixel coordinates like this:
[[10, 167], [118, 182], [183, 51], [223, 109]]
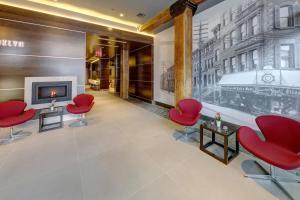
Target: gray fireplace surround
[[38, 90], [46, 92]]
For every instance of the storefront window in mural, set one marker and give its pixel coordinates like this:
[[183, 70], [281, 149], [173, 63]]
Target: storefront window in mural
[[255, 69]]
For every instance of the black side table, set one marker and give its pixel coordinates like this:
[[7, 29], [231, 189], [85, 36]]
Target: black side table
[[230, 131], [48, 113]]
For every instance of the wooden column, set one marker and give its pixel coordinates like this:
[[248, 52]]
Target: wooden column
[[124, 71], [183, 55]]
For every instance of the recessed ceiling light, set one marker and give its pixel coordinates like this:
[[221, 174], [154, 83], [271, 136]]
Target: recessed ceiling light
[[141, 15], [121, 15]]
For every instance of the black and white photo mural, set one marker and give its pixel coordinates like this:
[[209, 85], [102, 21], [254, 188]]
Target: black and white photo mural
[[246, 59], [164, 82]]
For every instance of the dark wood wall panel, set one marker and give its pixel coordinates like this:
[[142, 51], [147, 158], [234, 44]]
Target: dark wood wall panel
[[11, 66], [141, 73], [11, 95], [47, 51], [141, 89], [42, 41], [104, 73]]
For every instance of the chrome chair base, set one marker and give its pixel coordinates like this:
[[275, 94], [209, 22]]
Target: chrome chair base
[[186, 133], [13, 136], [275, 179], [79, 122]]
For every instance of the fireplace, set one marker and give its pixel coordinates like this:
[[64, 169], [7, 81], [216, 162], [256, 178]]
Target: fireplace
[[40, 91], [45, 92]]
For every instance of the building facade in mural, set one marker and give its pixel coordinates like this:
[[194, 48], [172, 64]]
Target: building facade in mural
[[250, 62], [167, 80]]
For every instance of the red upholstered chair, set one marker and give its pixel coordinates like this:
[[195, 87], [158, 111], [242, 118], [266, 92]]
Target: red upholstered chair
[[83, 103], [280, 148], [13, 113], [187, 115]]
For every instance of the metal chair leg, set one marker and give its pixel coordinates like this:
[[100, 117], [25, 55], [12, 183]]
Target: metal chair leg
[[186, 133], [79, 122], [14, 136], [276, 180], [282, 188], [287, 180], [255, 176]]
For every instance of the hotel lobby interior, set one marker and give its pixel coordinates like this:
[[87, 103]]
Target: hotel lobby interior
[[143, 100]]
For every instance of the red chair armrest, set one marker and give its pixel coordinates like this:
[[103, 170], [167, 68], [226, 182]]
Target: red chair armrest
[[30, 113], [247, 134], [173, 112]]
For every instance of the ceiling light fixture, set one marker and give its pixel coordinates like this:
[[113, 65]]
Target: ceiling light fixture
[[121, 15], [141, 15]]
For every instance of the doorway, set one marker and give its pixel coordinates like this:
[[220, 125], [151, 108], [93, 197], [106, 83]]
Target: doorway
[[103, 66], [103, 63]]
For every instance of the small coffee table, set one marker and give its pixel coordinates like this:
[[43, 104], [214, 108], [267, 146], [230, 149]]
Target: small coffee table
[[230, 130], [48, 113]]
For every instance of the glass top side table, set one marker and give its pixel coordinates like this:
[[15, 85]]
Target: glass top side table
[[226, 130], [48, 113]]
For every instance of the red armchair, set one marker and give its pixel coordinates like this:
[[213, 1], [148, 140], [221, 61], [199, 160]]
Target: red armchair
[[187, 115], [281, 147], [13, 113], [83, 103]]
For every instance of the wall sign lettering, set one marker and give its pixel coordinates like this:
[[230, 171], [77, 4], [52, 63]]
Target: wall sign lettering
[[12, 43]]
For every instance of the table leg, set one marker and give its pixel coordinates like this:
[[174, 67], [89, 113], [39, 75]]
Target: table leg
[[61, 120], [40, 123], [213, 137], [201, 137], [237, 145], [226, 150]]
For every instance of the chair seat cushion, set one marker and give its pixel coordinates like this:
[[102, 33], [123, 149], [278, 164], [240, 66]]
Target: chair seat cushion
[[71, 108], [16, 120], [267, 151], [182, 119]]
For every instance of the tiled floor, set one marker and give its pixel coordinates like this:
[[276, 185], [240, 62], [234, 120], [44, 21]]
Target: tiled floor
[[126, 153]]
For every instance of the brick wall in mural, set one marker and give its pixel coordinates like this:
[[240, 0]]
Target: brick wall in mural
[[248, 58]]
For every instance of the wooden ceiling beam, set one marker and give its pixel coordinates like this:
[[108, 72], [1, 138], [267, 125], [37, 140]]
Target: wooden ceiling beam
[[156, 21], [197, 2], [168, 14]]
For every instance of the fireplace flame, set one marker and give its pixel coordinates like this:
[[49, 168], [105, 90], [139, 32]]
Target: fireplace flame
[[53, 94]]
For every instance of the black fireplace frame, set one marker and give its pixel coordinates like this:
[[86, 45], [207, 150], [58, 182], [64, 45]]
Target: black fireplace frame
[[37, 85]]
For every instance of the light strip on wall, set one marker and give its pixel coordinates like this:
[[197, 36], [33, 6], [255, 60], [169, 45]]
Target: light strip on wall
[[73, 18], [107, 45], [106, 39]]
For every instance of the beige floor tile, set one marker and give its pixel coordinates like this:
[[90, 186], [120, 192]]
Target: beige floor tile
[[206, 178], [117, 174], [97, 141], [162, 189], [63, 184], [125, 153]]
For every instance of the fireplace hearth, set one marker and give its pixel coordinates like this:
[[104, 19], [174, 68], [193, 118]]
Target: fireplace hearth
[[45, 92]]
